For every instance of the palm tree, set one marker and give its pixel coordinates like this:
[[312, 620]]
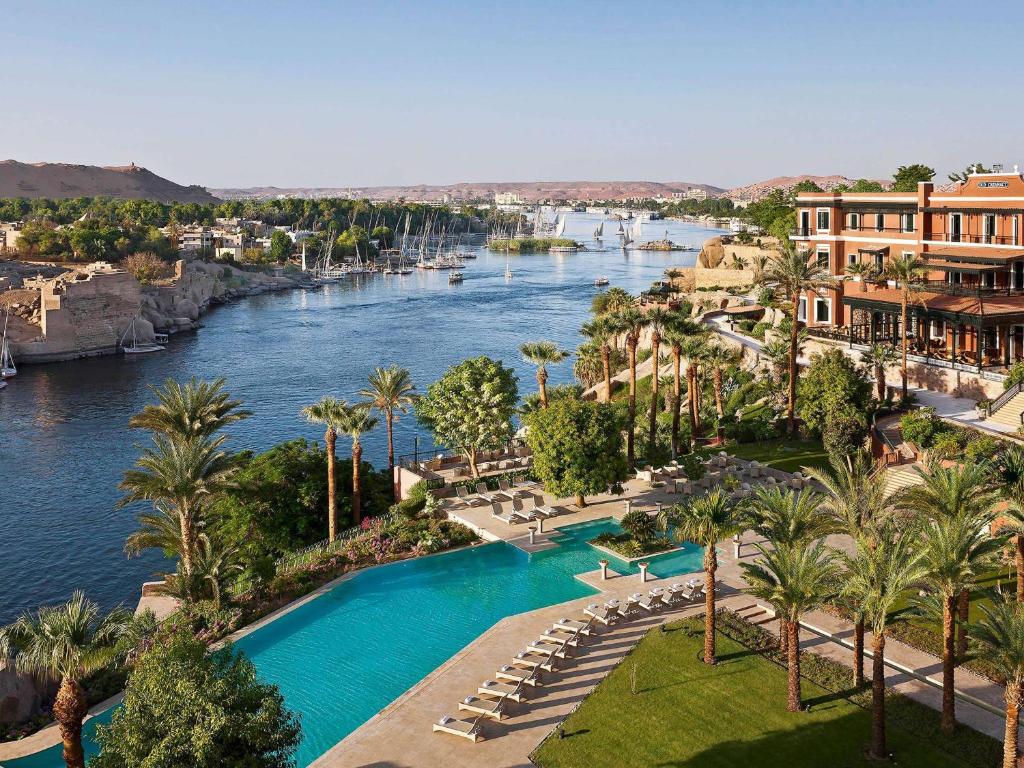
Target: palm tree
[[718, 357], [693, 350], [905, 271], [1010, 470], [630, 323], [613, 300], [877, 575], [795, 272], [589, 365], [210, 571], [391, 391], [197, 409], [183, 477], [877, 357], [354, 421], [542, 354], [863, 271], [794, 579], [955, 551], [999, 640], [706, 521], [66, 643], [656, 319], [328, 412], [857, 503], [678, 333], [602, 332]]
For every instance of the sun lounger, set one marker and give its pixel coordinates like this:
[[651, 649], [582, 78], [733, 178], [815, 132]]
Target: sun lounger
[[467, 729], [604, 614], [522, 511], [508, 491], [539, 506], [511, 691], [544, 659], [526, 675], [485, 704], [574, 625], [489, 496], [679, 593], [572, 639], [512, 518], [470, 501], [544, 644]]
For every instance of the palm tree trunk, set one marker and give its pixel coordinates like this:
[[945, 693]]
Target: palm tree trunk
[[677, 391], [948, 663], [631, 413], [69, 710], [783, 635], [188, 541], [880, 382], [1018, 561], [653, 417], [963, 610], [793, 664], [793, 336], [691, 401], [542, 384], [903, 334], [331, 439], [710, 566], [858, 653], [1013, 696], [717, 379], [389, 419], [606, 363], [581, 501], [357, 458], [878, 749]]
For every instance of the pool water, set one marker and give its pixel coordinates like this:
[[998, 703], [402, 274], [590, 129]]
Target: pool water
[[341, 658]]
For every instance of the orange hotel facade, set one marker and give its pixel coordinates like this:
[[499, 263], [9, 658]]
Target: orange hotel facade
[[968, 313]]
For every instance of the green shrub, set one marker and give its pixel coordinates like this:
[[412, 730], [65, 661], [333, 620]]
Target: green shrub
[[919, 427], [983, 449], [638, 524], [947, 444], [1015, 375]]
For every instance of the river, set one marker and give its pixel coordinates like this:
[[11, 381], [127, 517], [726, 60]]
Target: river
[[65, 444]]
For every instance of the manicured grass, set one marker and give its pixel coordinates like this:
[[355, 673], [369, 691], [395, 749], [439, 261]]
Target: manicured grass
[[787, 455], [685, 713]]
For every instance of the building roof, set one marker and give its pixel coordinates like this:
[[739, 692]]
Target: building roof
[[960, 266], [994, 306], [974, 254]]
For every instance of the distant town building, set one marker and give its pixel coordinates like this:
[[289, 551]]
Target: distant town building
[[9, 234], [507, 198]]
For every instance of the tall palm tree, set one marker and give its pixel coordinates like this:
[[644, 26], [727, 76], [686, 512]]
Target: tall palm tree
[[794, 273], [66, 643], [955, 551], [630, 323], [589, 366], [1010, 470], [184, 477], [602, 332], [656, 320], [877, 357], [355, 421], [391, 391], [706, 521], [542, 354], [999, 640], [694, 350], [328, 411], [677, 333], [196, 409], [905, 271], [613, 300], [862, 271], [717, 357], [856, 500], [794, 578], [876, 576]]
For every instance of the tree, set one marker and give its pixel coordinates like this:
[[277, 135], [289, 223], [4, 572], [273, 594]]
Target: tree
[[470, 407], [832, 384], [878, 357], [602, 332], [328, 411], [656, 320], [146, 267], [678, 333], [577, 448], [966, 173], [542, 354], [354, 421], [907, 177], [794, 579], [195, 409], [391, 391], [66, 643], [694, 350], [794, 273], [1010, 471], [280, 246], [999, 640], [876, 577], [807, 185], [630, 323], [706, 521], [589, 366], [185, 706], [718, 356], [613, 300], [906, 271], [866, 185]]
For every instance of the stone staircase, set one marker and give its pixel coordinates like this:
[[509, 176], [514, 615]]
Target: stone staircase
[[899, 477], [1010, 413]]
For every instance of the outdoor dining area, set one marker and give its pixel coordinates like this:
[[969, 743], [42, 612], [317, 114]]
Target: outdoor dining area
[[452, 467], [737, 476]]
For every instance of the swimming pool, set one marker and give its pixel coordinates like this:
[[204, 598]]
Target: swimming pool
[[342, 657]]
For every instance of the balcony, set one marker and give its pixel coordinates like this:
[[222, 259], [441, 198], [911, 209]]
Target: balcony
[[880, 230], [974, 290], [965, 237]]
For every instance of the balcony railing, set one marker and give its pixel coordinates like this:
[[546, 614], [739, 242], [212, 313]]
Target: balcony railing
[[869, 228], [966, 237], [966, 289], [803, 232]]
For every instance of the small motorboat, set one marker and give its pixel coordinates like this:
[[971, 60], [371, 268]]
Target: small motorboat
[[455, 277], [599, 281]]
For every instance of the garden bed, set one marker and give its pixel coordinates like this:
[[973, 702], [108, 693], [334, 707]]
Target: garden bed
[[625, 547]]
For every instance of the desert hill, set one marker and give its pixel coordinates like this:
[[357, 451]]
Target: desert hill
[[63, 180]]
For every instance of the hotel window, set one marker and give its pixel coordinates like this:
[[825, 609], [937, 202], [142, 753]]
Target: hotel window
[[988, 280], [938, 329], [879, 221], [805, 223], [801, 311], [955, 227], [822, 255], [854, 221], [823, 219], [1016, 225], [906, 222], [823, 310], [851, 258], [988, 227]]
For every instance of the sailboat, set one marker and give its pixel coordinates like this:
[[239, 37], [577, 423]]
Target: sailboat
[[560, 226], [7, 369], [508, 269], [135, 348], [599, 232]]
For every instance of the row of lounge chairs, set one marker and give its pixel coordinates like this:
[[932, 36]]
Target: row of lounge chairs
[[533, 509], [482, 495], [542, 657]]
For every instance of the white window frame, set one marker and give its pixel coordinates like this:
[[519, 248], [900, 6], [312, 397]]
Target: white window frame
[[908, 222], [828, 220], [801, 310], [949, 229], [1016, 228], [827, 302], [804, 230], [826, 251], [941, 332], [851, 258], [879, 222], [989, 235], [854, 221]]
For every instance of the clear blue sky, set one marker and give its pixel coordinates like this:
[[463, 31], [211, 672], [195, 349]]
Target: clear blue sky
[[378, 92]]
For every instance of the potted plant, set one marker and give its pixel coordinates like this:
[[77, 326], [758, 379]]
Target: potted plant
[[981, 409]]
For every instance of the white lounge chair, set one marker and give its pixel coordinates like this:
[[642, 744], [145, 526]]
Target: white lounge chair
[[485, 704], [526, 675], [544, 660], [679, 593], [575, 625], [469, 501], [508, 491], [511, 691], [604, 614], [571, 639], [512, 518], [489, 496], [544, 644], [467, 729], [526, 514]]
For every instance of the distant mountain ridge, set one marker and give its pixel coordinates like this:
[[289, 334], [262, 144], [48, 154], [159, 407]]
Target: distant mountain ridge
[[65, 180], [759, 189], [530, 191]]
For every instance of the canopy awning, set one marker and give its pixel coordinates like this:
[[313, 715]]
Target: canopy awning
[[960, 266], [880, 251], [974, 254]]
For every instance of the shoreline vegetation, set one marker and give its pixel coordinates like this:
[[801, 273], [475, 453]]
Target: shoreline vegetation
[[532, 244]]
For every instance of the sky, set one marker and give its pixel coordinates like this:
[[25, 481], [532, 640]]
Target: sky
[[379, 92]]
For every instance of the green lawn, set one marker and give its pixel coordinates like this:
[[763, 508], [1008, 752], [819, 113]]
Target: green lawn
[[687, 714], [787, 455]]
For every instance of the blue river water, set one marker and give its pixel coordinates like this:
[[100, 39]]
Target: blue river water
[[343, 656], [63, 438]]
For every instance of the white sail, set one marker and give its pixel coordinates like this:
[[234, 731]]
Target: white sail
[[560, 226], [600, 230]]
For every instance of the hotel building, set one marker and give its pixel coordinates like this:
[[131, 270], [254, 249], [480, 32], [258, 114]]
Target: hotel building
[[967, 313]]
